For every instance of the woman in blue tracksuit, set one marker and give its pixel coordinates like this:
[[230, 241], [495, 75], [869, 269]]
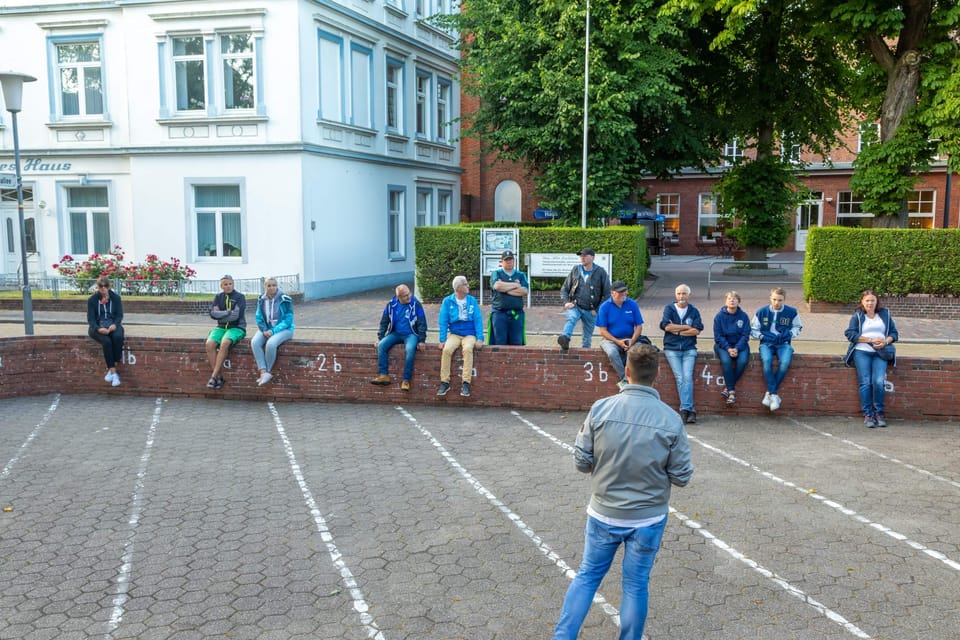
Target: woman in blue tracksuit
[[275, 326], [731, 338], [871, 333]]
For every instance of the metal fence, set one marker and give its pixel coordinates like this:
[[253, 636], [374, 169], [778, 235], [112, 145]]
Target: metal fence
[[757, 274], [290, 284]]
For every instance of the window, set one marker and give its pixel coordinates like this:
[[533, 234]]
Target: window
[[79, 79], [361, 89], [709, 219], [219, 221], [732, 152], [443, 110], [424, 206], [850, 212], [423, 102], [88, 216], [214, 76], [236, 52], [920, 205], [396, 239], [444, 203], [331, 78], [668, 205], [394, 95], [189, 73], [421, 8], [868, 133]]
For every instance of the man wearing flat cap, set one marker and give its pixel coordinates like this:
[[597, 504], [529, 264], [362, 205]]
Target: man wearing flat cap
[[620, 325], [509, 286], [586, 287]]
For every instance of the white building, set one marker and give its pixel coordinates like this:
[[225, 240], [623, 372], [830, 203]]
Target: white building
[[255, 138]]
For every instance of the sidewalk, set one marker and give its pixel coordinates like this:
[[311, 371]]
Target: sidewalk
[[355, 318]]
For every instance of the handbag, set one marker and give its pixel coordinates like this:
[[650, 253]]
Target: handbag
[[887, 353]]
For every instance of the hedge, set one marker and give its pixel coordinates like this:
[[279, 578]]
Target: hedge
[[445, 251], [841, 262]]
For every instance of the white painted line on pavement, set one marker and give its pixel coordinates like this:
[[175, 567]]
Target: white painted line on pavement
[[884, 456], [811, 493], [126, 566], [723, 546], [33, 434], [349, 581], [544, 548]]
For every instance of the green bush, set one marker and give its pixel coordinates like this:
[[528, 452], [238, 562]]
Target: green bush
[[841, 262], [449, 250]]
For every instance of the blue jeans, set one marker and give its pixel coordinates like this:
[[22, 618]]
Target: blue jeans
[[618, 357], [265, 349], [506, 326], [871, 378], [732, 369], [589, 322], [601, 542], [682, 363], [784, 353], [390, 341]]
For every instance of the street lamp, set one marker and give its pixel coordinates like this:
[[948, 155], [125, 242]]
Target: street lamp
[[12, 85], [586, 106]]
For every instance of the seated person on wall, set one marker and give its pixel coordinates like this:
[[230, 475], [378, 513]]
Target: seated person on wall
[[229, 310], [775, 326], [274, 327], [509, 288], [403, 321], [461, 326], [681, 324], [585, 288], [105, 325], [620, 324], [731, 343]]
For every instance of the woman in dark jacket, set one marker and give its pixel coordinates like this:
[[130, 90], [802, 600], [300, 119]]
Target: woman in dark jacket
[[731, 337], [871, 333], [105, 325]]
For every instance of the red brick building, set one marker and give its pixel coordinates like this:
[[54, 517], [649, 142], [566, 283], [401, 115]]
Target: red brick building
[[497, 190]]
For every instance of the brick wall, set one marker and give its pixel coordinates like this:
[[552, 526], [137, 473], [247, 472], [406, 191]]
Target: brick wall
[[519, 377]]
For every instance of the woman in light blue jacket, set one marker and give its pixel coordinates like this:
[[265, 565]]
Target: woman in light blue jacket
[[275, 326]]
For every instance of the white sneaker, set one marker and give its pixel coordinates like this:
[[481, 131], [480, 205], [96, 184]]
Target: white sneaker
[[766, 399], [109, 377], [115, 381], [265, 378], [774, 402]]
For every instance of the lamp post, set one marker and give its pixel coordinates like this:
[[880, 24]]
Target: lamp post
[[586, 89], [12, 86]]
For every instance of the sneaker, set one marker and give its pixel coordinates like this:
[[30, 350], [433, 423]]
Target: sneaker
[[881, 420], [265, 378], [405, 385], [115, 382], [444, 389], [731, 397], [684, 414], [725, 393], [219, 383], [212, 382], [381, 380], [564, 343], [869, 422], [691, 417], [109, 377], [766, 399], [774, 402], [465, 389]]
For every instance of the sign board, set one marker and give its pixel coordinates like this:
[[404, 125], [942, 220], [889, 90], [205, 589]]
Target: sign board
[[8, 180], [558, 265]]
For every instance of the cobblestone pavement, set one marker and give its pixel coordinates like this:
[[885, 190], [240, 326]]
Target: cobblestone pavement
[[150, 519]]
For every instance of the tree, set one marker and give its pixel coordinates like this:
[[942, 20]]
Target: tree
[[780, 85], [909, 76], [524, 60]]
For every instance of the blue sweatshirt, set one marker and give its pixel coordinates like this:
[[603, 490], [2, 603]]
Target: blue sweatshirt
[[732, 330]]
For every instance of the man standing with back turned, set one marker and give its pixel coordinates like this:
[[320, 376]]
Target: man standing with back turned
[[635, 447]]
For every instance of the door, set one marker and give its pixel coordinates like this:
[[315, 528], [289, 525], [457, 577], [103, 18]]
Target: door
[[809, 215], [10, 233]]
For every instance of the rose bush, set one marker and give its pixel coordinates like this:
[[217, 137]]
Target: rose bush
[[153, 276]]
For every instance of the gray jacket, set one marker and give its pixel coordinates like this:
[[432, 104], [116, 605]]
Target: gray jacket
[[635, 447]]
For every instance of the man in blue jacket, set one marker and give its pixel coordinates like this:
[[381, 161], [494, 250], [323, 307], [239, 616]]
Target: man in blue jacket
[[775, 326], [635, 448], [681, 324], [461, 327], [403, 321]]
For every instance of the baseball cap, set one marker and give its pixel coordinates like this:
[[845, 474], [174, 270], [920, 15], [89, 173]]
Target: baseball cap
[[618, 286], [506, 255], [586, 251]]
